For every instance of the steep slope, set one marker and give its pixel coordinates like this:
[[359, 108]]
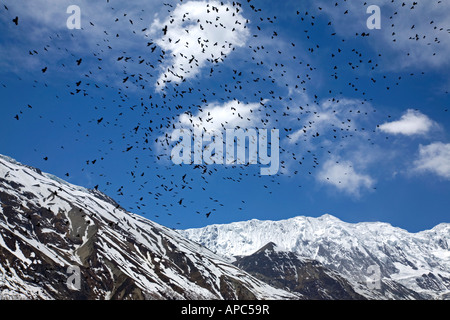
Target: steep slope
[[288, 270], [412, 266], [48, 225]]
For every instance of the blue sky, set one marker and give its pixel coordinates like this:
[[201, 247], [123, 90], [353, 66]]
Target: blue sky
[[378, 99]]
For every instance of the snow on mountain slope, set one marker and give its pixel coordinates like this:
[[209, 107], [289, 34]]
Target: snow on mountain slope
[[47, 225], [417, 261]]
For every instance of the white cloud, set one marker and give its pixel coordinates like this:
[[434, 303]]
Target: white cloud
[[198, 33], [215, 117], [229, 115], [411, 123], [342, 175], [434, 158]]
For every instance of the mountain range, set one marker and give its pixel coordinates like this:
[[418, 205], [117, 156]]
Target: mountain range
[[55, 235], [409, 265]]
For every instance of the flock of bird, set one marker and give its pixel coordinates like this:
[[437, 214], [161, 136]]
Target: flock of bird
[[266, 73]]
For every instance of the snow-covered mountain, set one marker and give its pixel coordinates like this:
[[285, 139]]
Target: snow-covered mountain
[[48, 225], [411, 265]]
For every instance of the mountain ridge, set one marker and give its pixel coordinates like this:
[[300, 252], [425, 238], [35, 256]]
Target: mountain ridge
[[48, 225], [418, 261]]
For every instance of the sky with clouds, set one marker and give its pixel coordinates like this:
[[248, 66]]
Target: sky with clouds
[[362, 113]]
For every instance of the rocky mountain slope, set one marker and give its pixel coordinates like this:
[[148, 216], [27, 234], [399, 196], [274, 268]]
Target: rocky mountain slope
[[288, 270], [50, 230], [410, 265]]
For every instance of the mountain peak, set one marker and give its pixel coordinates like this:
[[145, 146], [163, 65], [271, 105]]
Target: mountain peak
[[416, 262], [328, 216], [289, 271], [271, 247], [48, 226]]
